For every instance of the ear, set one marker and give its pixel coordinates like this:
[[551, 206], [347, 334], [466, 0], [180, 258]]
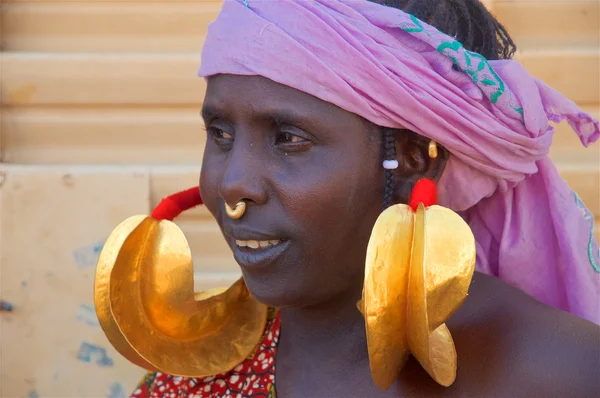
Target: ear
[[414, 163]]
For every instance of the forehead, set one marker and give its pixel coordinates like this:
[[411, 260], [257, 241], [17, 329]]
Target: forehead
[[227, 87], [258, 95]]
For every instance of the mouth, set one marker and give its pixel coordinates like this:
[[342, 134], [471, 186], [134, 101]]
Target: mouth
[[255, 249], [257, 244], [254, 254]]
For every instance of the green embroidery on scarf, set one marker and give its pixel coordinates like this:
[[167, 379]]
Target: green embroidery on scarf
[[473, 64], [587, 215], [418, 27], [484, 73]]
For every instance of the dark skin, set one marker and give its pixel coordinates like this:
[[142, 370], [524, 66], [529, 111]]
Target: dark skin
[[312, 177]]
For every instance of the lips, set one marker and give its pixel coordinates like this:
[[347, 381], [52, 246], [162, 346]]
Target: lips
[[261, 257], [253, 249]]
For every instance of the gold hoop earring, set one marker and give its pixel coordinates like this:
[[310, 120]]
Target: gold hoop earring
[[146, 304], [237, 212], [419, 264], [433, 149]]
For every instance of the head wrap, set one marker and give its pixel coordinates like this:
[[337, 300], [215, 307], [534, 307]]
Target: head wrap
[[396, 71]]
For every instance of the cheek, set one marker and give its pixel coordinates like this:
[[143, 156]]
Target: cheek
[[325, 187], [335, 201]]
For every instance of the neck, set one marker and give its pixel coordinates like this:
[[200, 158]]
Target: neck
[[334, 326]]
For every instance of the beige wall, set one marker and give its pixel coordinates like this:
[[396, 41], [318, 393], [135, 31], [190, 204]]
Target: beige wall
[[100, 104]]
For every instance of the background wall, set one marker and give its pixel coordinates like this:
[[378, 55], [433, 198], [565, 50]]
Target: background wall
[[100, 119]]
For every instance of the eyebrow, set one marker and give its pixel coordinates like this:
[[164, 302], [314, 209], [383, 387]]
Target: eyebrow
[[210, 112], [275, 116], [283, 117]]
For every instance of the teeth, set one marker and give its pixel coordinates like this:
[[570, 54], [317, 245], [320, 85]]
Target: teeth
[[255, 244]]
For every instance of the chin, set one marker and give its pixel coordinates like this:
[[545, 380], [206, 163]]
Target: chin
[[275, 291]]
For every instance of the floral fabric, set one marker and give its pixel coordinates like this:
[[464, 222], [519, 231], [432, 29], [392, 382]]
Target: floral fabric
[[255, 377]]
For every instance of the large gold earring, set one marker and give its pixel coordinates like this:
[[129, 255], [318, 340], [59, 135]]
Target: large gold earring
[[419, 265], [146, 304], [236, 212]]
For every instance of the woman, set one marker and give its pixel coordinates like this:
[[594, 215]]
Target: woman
[[304, 101]]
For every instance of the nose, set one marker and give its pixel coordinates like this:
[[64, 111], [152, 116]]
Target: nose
[[243, 177]]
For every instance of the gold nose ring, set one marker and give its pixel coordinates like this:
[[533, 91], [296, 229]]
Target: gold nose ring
[[237, 212]]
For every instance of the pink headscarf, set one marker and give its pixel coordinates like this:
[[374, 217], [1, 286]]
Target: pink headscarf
[[396, 71]]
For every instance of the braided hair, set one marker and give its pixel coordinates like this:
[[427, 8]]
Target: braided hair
[[470, 22], [389, 153]]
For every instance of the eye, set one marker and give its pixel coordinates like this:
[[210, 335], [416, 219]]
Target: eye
[[292, 139], [289, 138], [219, 134], [222, 138]]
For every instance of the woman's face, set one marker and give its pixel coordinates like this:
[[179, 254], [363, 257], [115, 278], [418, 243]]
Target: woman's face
[[311, 175]]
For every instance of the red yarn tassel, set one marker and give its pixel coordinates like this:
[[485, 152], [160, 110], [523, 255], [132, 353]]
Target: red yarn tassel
[[424, 192], [171, 206]]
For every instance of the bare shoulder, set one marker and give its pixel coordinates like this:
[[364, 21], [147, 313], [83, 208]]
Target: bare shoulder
[[521, 347]]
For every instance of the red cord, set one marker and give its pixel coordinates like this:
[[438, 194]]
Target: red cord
[[171, 206], [424, 192]]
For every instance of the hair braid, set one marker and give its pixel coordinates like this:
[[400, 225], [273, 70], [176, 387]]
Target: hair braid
[[389, 153]]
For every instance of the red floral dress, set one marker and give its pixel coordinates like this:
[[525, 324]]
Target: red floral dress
[[255, 377]]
